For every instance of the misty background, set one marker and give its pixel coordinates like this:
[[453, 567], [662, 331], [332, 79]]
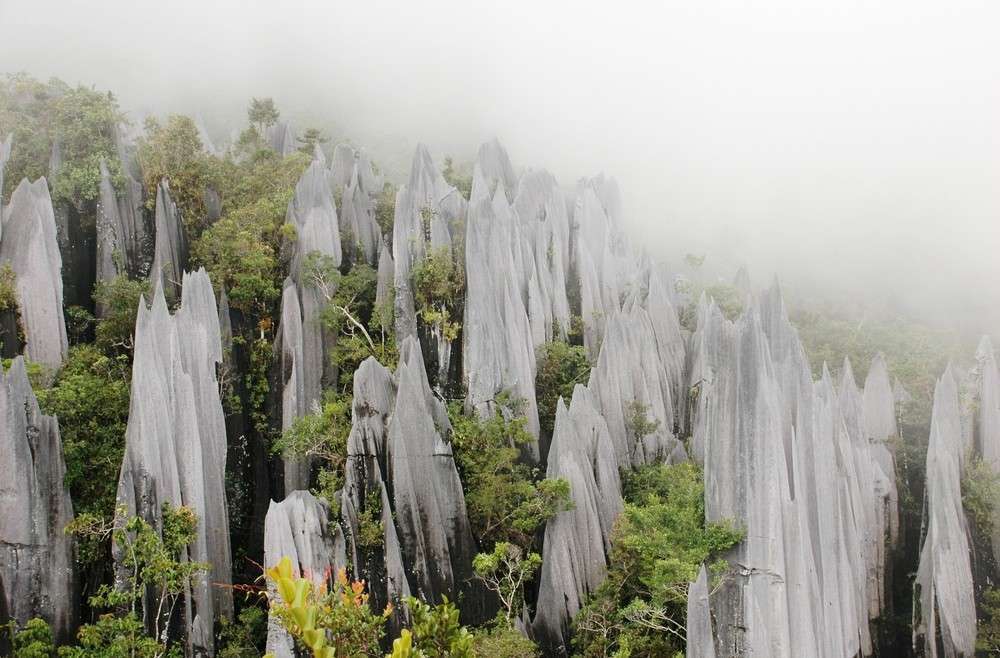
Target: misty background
[[851, 148]]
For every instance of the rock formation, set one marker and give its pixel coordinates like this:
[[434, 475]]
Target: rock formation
[[281, 138], [427, 495], [121, 227], [175, 447], [700, 639], [944, 579], [298, 528], [352, 177], [5, 147], [28, 245], [987, 425], [577, 542], [36, 555], [426, 206], [170, 250]]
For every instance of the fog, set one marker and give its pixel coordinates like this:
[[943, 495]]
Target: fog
[[853, 148]]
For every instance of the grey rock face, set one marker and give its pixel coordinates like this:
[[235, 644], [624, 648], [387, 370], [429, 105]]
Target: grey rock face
[[281, 138], [577, 541], [36, 555], [880, 424], [297, 528], [121, 227], [29, 246], [385, 291], [499, 350], [700, 639], [351, 174], [425, 207], [944, 579], [789, 461], [170, 250], [296, 400], [365, 485], [175, 449], [429, 505]]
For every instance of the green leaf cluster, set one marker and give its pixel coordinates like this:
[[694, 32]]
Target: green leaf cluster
[[560, 368]]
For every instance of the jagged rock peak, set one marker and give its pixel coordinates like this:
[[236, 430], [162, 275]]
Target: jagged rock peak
[[944, 578], [313, 214], [495, 164], [29, 246], [987, 427], [577, 541], [281, 138], [700, 638], [36, 555], [170, 250], [298, 528], [741, 281], [121, 224], [429, 505], [175, 443]]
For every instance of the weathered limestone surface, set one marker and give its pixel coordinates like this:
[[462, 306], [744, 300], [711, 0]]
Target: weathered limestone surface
[[170, 250], [880, 424], [425, 207], [434, 532], [577, 542], [175, 448], [365, 485], [36, 557], [28, 244], [295, 399], [351, 175], [944, 579], [121, 227], [700, 639], [298, 528], [384, 289], [281, 138]]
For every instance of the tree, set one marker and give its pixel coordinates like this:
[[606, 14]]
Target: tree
[[438, 287], [505, 572], [262, 114], [119, 298], [560, 368], [310, 139], [506, 499], [658, 545]]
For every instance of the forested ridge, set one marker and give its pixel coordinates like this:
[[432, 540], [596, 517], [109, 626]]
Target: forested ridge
[[258, 398]]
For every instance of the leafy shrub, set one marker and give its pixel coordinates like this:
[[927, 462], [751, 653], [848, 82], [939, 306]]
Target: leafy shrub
[[560, 368]]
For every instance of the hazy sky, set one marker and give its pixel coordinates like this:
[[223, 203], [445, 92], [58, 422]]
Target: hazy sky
[[853, 145]]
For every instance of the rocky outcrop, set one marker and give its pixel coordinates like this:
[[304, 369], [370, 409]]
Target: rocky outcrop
[[365, 495], [296, 400], [298, 528], [384, 288], [121, 227], [880, 425], [498, 351], [428, 501], [175, 447], [36, 555], [944, 579], [170, 251], [281, 138], [28, 245], [426, 206], [577, 542], [358, 186], [700, 639]]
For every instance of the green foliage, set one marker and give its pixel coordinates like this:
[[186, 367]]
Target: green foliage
[[244, 637], [506, 501], [174, 151], [385, 211], [350, 312], [659, 543], [560, 368], [83, 121], [35, 640], [914, 353], [310, 139], [988, 631], [8, 288], [501, 641], [458, 177], [437, 632], [262, 114], [505, 572], [371, 531], [331, 622], [119, 298], [240, 250], [438, 287], [152, 561], [90, 396], [323, 436], [637, 420], [980, 494], [78, 322]]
